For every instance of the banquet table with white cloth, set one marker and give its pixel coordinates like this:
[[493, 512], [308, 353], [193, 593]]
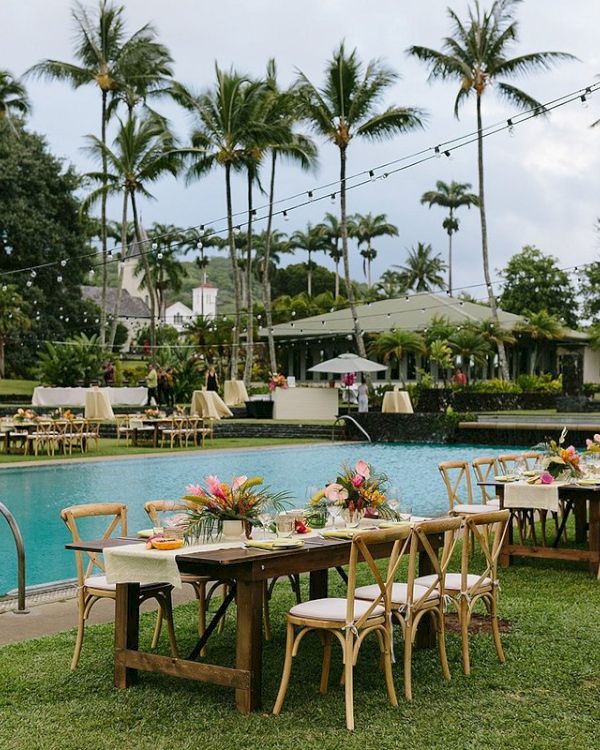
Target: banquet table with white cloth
[[234, 392], [45, 396], [97, 404], [396, 402], [209, 405]]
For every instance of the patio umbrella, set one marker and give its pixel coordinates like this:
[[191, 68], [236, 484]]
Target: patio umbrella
[[348, 363]]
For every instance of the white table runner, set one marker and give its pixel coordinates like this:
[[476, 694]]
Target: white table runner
[[523, 495]]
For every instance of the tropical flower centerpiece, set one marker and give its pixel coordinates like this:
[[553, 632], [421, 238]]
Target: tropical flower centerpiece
[[277, 381], [152, 413], [215, 505], [68, 414], [559, 461], [24, 415], [593, 446], [358, 491]]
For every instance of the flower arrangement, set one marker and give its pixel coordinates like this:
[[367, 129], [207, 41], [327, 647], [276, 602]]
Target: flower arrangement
[[348, 379], [559, 461], [357, 489], [244, 499], [24, 415], [68, 414], [277, 381], [152, 413], [593, 446]]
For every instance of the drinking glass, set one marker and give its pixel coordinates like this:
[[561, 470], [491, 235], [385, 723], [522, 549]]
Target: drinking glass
[[393, 498], [520, 466], [334, 512], [406, 510], [285, 525], [266, 521], [311, 491]]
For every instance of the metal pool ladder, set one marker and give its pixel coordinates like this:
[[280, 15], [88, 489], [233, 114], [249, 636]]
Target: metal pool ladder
[[16, 532], [354, 422]]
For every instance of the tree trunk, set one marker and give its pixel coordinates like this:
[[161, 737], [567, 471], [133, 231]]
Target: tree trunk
[[450, 256], [235, 339], [149, 279], [266, 282], [484, 244], [360, 344], [309, 275], [369, 265], [103, 234], [124, 253], [337, 272], [249, 296], [1, 356]]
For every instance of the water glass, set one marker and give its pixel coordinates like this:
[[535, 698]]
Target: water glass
[[285, 525], [520, 466], [406, 510], [393, 498], [266, 521]]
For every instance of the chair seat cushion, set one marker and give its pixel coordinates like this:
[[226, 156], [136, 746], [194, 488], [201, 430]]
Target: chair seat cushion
[[469, 508], [332, 609], [100, 582], [399, 593], [452, 582]]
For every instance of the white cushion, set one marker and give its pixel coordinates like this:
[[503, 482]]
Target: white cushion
[[399, 594], [473, 508], [100, 582], [333, 609], [453, 581]]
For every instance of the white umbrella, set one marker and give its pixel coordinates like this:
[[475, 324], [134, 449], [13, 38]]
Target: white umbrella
[[348, 363]]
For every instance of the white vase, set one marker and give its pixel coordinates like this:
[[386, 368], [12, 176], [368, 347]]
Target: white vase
[[232, 530]]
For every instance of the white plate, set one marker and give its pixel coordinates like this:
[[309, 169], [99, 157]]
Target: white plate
[[145, 533]]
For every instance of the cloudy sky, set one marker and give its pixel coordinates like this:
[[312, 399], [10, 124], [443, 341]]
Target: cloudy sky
[[542, 183]]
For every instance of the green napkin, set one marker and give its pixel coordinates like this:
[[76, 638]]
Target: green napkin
[[393, 524], [339, 533], [259, 545]]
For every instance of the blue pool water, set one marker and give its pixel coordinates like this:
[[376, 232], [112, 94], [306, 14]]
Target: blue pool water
[[36, 495]]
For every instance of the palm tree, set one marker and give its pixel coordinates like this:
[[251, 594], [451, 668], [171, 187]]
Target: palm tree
[[142, 153], [313, 240], [391, 284], [441, 353], [471, 347], [332, 230], [106, 58], [450, 196], [422, 270], [540, 327], [346, 107], [494, 334], [367, 228], [477, 56], [13, 99], [283, 110], [394, 345], [199, 239], [166, 272], [14, 318]]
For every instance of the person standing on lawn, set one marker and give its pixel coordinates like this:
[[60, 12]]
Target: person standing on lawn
[[152, 385]]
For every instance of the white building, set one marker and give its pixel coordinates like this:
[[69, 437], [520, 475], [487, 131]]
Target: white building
[[204, 305]]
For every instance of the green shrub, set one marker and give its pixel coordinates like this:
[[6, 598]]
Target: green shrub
[[539, 383], [495, 386], [78, 359]]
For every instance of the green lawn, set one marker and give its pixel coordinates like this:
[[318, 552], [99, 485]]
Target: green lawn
[[108, 447], [546, 697], [17, 387]]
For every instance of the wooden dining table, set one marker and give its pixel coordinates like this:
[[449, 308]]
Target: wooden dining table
[[245, 569], [584, 503]]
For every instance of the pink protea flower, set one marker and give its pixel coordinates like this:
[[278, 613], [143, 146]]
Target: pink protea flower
[[546, 478], [335, 493], [362, 468], [357, 480], [194, 489], [213, 483], [589, 443], [571, 450], [238, 482], [597, 438]]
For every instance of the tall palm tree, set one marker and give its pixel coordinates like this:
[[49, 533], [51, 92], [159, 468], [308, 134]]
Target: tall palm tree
[[105, 57], [13, 99], [313, 240], [15, 318], [394, 345], [295, 147], [142, 153], [367, 228], [391, 284], [494, 334], [422, 270], [471, 346], [477, 55], [199, 240], [540, 327], [332, 230], [346, 107], [452, 196]]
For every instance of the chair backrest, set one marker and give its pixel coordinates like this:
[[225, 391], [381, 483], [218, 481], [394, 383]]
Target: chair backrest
[[121, 420], [485, 531], [116, 512], [456, 476], [508, 460], [154, 507], [485, 468]]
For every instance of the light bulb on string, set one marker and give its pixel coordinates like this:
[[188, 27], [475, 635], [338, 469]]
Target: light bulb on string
[[332, 197], [285, 216], [237, 231], [310, 195], [448, 154], [33, 274], [29, 283], [584, 101], [437, 152], [511, 128], [371, 175], [59, 279], [159, 256], [155, 245], [63, 263], [199, 245]]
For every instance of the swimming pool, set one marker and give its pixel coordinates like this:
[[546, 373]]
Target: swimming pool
[[35, 495]]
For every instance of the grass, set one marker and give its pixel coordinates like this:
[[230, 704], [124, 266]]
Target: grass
[[108, 447], [546, 696], [17, 387]]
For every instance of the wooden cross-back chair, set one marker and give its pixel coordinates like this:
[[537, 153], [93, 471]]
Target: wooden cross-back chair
[[486, 531], [508, 460], [348, 620], [456, 476], [486, 468], [91, 578], [409, 601]]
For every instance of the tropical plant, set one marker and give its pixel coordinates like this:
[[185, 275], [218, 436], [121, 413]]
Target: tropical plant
[[477, 55], [441, 354], [367, 228], [14, 101], [332, 230], [14, 318], [345, 107], [106, 58], [540, 327], [471, 347], [77, 359], [422, 270], [392, 346], [391, 284], [452, 196], [188, 375], [313, 240]]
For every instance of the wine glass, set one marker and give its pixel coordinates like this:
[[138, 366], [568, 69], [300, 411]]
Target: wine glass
[[520, 466], [311, 491], [406, 510], [393, 499], [334, 512], [266, 520]]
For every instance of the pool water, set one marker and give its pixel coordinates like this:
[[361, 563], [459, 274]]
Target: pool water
[[35, 495]]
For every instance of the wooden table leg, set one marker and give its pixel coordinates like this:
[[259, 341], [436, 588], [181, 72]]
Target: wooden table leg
[[318, 584], [580, 513], [594, 534], [249, 643], [426, 634], [127, 630]]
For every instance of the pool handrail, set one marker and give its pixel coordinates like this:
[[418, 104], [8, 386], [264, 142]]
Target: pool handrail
[[354, 422], [16, 532]]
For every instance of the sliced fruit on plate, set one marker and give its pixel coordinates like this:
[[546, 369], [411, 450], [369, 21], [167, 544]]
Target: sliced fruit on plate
[[145, 533], [166, 543], [505, 478]]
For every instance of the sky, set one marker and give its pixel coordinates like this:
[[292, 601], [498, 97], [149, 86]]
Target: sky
[[542, 183]]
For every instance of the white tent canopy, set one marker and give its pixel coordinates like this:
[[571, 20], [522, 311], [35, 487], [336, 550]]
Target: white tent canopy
[[348, 363]]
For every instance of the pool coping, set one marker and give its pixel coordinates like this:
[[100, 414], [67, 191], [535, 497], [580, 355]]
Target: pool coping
[[169, 454]]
